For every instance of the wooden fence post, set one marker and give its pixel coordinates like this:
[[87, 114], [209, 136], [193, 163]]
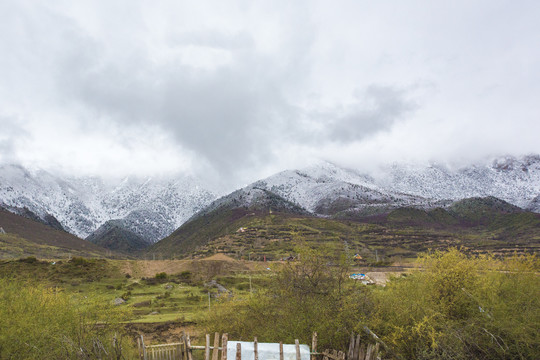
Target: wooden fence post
[[357, 347], [224, 340], [281, 350], [188, 348], [207, 348], [215, 351], [255, 349], [369, 352], [350, 353], [361, 352], [314, 346], [184, 354], [238, 351], [297, 344], [145, 356]]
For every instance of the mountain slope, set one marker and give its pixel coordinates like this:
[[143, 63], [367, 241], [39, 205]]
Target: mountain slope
[[25, 237], [154, 207], [233, 227], [515, 180], [224, 216], [328, 190]]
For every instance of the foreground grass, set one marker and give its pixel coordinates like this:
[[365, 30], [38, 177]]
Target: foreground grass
[[181, 298]]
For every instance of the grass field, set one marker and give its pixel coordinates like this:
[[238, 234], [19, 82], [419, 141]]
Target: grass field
[[164, 297]]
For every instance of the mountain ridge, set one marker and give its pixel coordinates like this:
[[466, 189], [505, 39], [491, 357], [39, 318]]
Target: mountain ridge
[[154, 207]]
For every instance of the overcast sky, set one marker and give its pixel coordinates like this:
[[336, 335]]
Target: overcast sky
[[238, 90]]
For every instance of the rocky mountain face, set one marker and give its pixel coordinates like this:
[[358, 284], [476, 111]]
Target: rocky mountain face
[[149, 207]]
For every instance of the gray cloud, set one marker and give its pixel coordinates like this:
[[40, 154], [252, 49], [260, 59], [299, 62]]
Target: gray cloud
[[376, 109], [227, 116]]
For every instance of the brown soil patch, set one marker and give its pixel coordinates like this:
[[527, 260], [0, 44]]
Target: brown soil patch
[[218, 264], [381, 278], [220, 256]]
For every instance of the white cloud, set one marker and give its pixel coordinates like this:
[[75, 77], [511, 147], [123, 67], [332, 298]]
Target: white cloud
[[240, 89]]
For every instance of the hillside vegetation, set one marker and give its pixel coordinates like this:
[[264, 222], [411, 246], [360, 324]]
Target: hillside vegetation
[[479, 225]]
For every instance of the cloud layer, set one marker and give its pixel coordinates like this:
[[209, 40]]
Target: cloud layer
[[238, 90]]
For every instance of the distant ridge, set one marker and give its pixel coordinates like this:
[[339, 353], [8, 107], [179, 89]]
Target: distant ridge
[[25, 237], [114, 235], [327, 189]]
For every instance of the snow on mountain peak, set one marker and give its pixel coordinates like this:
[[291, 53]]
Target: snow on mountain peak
[[316, 187], [153, 206]]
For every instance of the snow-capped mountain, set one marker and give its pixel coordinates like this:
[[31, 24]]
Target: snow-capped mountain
[[326, 189], [150, 207], [154, 207], [515, 180]]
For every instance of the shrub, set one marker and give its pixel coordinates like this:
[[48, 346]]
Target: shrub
[[78, 261], [126, 295], [45, 323], [303, 297], [461, 307], [161, 276], [29, 260], [455, 307]]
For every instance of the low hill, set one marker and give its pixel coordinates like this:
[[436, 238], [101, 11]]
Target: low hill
[[26, 237], [114, 235]]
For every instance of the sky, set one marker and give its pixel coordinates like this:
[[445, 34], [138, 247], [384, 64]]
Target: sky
[[239, 90]]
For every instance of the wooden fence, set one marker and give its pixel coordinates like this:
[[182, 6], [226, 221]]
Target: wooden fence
[[172, 351], [359, 351], [183, 350]]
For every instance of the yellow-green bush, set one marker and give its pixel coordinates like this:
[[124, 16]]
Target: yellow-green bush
[[459, 307], [45, 323], [311, 295], [454, 307]]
